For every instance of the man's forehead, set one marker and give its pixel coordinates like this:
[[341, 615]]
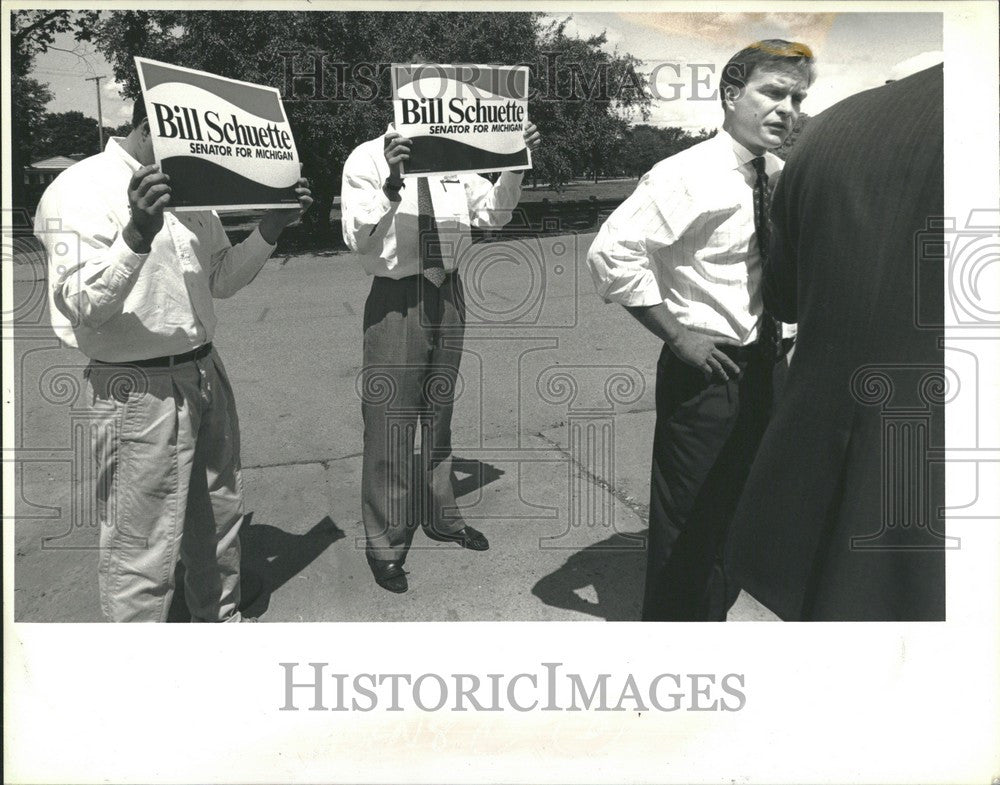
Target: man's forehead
[[782, 75]]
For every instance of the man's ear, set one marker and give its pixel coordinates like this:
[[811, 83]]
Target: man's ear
[[143, 129], [729, 95]]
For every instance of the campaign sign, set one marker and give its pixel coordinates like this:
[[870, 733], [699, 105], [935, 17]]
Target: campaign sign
[[462, 118], [226, 145]]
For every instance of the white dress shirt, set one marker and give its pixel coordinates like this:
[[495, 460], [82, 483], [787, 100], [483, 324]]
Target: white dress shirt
[[116, 305], [386, 233], [686, 237]]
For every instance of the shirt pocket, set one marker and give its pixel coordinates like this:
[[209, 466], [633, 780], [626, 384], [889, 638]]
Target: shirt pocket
[[454, 204]]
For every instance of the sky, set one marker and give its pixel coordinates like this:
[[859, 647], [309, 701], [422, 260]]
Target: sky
[[854, 51], [65, 68]]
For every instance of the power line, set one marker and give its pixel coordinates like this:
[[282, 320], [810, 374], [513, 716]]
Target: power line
[[48, 72]]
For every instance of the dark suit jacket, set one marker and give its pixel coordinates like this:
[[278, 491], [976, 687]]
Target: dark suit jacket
[[840, 516]]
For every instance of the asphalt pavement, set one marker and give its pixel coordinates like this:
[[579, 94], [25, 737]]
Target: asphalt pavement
[[552, 439]]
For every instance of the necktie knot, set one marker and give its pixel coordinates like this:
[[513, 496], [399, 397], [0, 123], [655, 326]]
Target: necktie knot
[[758, 165]]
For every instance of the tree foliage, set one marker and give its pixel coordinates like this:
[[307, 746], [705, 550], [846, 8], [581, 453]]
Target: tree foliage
[[648, 145], [32, 32], [69, 133], [586, 100], [341, 96], [332, 69]]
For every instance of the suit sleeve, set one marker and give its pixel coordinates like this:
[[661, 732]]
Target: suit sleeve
[[780, 272]]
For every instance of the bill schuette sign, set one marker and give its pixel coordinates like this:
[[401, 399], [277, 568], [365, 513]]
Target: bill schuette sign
[[226, 144], [462, 118]]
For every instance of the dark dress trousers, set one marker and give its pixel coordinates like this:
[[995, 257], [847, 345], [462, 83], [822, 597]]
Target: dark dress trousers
[[840, 517], [703, 445]]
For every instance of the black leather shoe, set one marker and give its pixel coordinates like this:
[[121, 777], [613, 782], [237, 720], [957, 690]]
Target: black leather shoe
[[467, 537], [390, 575]]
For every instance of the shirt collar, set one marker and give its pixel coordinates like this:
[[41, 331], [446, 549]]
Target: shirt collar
[[741, 155], [114, 148]]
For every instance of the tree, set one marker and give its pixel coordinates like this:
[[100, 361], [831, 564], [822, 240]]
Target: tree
[[647, 145], [585, 101], [347, 97], [65, 133], [332, 69], [32, 32]]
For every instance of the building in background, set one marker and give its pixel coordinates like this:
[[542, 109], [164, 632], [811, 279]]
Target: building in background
[[38, 176]]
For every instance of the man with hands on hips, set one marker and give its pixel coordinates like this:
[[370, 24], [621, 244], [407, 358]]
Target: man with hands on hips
[[409, 236], [684, 255], [137, 301]]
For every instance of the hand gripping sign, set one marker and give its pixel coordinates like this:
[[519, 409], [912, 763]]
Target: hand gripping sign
[[462, 118], [226, 145]]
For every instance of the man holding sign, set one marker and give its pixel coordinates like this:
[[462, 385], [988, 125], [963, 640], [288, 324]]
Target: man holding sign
[[131, 286], [227, 144], [409, 234]]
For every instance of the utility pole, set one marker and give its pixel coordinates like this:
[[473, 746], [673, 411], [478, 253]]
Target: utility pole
[[100, 124]]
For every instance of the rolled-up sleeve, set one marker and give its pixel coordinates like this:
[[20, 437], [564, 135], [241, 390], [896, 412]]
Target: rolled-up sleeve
[[491, 204], [656, 215], [366, 212], [91, 267], [619, 258]]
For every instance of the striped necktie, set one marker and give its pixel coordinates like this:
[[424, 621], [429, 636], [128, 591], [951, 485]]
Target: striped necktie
[[431, 263], [769, 332]]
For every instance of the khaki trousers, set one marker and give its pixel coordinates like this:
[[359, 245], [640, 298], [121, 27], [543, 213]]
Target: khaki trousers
[[168, 488]]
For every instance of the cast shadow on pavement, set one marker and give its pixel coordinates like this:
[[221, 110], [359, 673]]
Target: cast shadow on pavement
[[467, 476], [616, 570], [477, 474], [270, 558]]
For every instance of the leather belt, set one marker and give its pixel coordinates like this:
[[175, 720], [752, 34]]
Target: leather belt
[[741, 353], [169, 360], [744, 353]]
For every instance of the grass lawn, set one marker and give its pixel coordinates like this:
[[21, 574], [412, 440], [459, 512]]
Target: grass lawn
[[580, 189], [577, 190]]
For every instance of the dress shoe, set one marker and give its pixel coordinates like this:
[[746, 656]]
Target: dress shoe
[[467, 537], [390, 575]]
